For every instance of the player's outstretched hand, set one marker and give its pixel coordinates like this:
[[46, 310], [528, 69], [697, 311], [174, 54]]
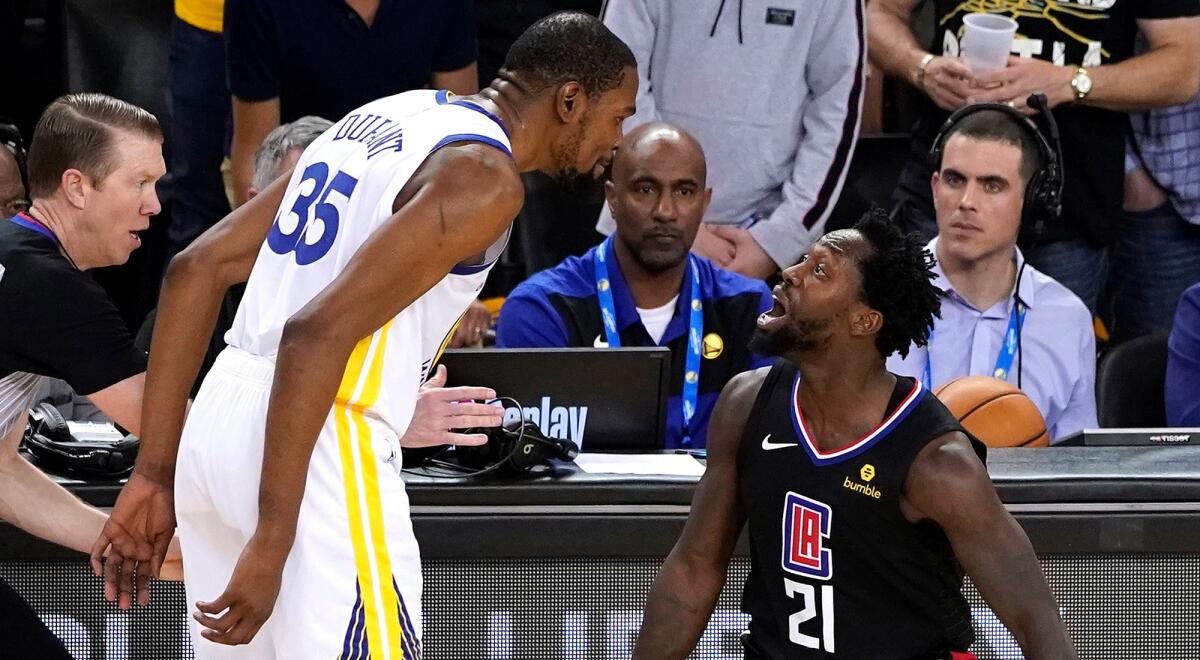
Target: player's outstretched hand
[[133, 543], [236, 616], [440, 409]]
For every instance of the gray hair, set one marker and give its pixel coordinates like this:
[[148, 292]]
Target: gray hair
[[279, 142]]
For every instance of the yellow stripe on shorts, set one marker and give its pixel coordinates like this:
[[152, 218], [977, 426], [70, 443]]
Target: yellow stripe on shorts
[[379, 599]]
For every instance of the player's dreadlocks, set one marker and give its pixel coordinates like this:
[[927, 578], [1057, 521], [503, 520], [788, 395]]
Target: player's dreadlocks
[[897, 281]]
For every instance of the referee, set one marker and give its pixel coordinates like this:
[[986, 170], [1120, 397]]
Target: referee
[[92, 166]]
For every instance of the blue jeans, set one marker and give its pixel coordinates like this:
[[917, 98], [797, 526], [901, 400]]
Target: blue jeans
[[200, 110], [1156, 256], [1077, 265]]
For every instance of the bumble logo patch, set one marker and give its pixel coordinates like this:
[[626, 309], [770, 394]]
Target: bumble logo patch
[[867, 472], [713, 346]]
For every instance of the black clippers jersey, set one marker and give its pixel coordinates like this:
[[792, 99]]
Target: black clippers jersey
[[836, 569]]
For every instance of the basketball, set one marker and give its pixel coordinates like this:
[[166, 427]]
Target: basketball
[[995, 411]]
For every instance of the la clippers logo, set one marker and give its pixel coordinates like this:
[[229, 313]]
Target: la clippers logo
[[805, 530]]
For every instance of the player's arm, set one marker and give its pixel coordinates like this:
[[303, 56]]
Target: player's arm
[[194, 285], [687, 587], [948, 484], [143, 519], [443, 215]]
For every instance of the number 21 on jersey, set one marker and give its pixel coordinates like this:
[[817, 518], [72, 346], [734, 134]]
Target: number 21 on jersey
[[308, 230], [806, 527]]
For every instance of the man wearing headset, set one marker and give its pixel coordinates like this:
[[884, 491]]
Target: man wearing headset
[[1001, 317]]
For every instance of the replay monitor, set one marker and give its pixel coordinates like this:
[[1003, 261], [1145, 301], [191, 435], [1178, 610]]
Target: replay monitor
[[604, 399]]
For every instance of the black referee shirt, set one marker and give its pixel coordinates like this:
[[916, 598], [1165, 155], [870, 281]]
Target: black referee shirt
[[57, 321]]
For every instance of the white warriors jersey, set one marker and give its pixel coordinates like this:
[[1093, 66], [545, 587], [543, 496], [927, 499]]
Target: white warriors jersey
[[341, 191]]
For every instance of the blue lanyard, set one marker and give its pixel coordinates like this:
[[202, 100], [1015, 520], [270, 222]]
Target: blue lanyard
[[1004, 361], [608, 313], [29, 223]]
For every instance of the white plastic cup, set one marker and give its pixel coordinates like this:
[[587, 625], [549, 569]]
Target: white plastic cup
[[987, 41]]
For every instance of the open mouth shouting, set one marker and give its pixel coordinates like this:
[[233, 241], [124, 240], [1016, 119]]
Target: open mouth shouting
[[771, 319]]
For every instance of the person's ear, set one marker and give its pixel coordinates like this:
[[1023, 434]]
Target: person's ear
[[75, 186], [866, 322], [570, 102]]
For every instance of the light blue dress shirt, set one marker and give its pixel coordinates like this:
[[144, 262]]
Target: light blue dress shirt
[[1058, 347]]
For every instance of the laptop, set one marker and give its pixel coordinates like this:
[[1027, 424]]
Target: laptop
[[604, 399], [1131, 437]]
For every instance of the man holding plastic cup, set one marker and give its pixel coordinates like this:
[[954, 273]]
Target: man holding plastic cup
[[1081, 55]]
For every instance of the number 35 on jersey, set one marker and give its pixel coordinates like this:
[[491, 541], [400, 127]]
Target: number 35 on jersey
[[308, 228]]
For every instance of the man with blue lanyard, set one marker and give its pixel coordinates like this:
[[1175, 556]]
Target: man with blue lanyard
[[1001, 317], [643, 287]]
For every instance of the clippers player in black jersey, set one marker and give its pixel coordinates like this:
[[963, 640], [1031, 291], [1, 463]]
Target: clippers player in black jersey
[[865, 498]]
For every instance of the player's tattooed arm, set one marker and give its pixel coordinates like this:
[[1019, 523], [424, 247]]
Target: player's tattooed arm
[[948, 484], [138, 532], [686, 590]]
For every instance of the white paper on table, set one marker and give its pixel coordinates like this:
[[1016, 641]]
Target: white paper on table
[[682, 465]]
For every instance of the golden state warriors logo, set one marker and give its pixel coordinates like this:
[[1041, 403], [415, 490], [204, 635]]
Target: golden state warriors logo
[[602, 285], [867, 472], [713, 346]]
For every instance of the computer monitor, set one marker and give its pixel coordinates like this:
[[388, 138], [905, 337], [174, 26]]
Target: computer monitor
[[604, 399]]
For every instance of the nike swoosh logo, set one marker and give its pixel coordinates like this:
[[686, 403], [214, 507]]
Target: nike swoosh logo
[[768, 445], [599, 342]]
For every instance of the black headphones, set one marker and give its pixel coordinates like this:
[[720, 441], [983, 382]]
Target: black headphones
[[516, 447], [1043, 193], [49, 440]]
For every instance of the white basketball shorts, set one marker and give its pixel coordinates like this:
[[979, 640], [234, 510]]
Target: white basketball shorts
[[352, 584]]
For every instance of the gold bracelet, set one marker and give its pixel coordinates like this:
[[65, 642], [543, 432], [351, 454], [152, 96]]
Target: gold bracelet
[[920, 77]]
